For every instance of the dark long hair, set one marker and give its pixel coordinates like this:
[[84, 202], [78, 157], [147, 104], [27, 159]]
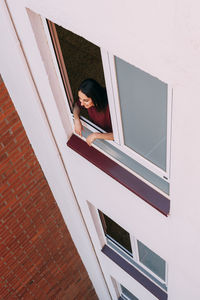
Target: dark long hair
[[92, 89]]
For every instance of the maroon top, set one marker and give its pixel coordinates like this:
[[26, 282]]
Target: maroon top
[[100, 118]]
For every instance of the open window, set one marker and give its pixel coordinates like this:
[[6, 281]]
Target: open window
[[134, 251], [140, 105], [78, 59]]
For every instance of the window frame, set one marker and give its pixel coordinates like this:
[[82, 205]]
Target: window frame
[[130, 258], [56, 52], [110, 77], [61, 71], [58, 63], [115, 102]]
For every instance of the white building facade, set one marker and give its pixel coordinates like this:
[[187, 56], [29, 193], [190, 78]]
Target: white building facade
[[151, 200]]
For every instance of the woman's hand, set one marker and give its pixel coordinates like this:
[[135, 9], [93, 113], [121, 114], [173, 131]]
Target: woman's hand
[[91, 138], [97, 135], [78, 126]]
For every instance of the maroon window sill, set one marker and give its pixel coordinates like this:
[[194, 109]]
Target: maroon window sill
[[134, 273], [127, 179]]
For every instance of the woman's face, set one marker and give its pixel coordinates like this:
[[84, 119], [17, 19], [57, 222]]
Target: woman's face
[[84, 100]]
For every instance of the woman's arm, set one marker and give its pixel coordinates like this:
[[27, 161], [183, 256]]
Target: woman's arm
[[79, 127], [77, 122], [97, 135]]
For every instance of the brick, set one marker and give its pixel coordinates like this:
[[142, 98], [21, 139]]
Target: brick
[[14, 121], [39, 260], [4, 128], [3, 157]]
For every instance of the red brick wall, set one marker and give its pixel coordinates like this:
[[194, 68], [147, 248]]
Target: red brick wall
[[38, 259]]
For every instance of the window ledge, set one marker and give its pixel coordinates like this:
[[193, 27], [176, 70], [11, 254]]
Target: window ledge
[[130, 181], [134, 273]]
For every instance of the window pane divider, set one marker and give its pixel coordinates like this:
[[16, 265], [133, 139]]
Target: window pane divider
[[109, 89], [134, 247], [116, 100], [169, 128]]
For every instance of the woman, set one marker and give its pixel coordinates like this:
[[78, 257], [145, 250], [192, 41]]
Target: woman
[[93, 97]]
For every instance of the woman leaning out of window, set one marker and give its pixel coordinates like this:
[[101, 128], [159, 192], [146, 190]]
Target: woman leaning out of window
[[93, 97]]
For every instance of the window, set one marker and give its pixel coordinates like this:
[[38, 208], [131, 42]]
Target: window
[[143, 107], [140, 105], [125, 294], [142, 112], [116, 233], [134, 251], [78, 59], [151, 260]]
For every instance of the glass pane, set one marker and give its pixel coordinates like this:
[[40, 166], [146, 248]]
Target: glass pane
[[143, 102], [151, 260], [116, 232], [128, 294]]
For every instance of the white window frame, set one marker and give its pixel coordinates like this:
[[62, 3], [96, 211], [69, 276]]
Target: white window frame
[[108, 62], [57, 70], [135, 252], [134, 240], [115, 102]]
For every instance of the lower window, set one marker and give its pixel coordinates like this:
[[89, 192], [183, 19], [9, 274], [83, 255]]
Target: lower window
[[134, 251]]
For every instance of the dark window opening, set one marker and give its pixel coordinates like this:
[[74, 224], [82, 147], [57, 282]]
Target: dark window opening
[[78, 59], [115, 232]]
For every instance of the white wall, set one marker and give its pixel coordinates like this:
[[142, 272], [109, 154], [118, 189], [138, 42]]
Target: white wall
[[162, 39]]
